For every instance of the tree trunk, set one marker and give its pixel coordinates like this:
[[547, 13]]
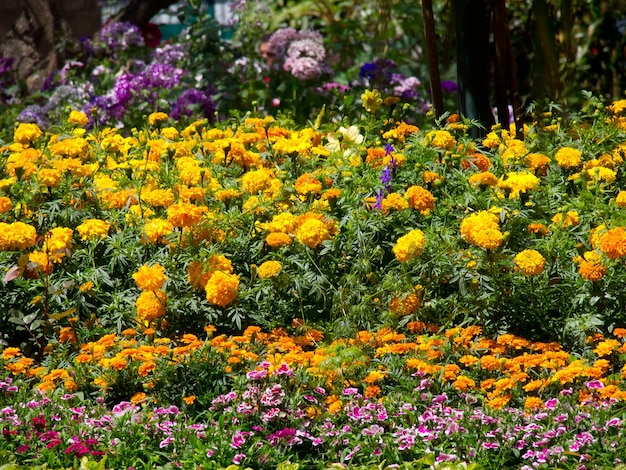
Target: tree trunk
[[39, 40], [140, 12], [473, 26]]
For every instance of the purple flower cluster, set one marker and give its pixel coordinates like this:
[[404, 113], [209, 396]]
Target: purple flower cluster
[[300, 53], [192, 102], [121, 36], [382, 74]]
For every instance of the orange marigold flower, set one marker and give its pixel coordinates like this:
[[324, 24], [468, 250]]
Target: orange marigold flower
[[463, 383], [533, 403], [529, 262], [307, 184], [145, 368], [149, 278], [450, 372], [483, 179], [590, 266], [5, 204], [190, 400], [420, 198], [10, 353], [278, 239], [409, 246], [372, 391], [613, 243], [185, 214], [537, 228]]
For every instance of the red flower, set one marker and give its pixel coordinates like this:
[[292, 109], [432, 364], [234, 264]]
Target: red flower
[[151, 35]]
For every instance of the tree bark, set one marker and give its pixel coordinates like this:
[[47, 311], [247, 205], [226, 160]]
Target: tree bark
[[140, 12], [41, 39]]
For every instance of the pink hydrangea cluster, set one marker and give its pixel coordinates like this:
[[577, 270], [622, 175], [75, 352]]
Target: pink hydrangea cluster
[[301, 53]]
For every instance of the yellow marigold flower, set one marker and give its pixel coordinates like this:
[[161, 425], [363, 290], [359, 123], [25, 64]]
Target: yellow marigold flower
[[620, 200], [568, 157], [409, 246], [420, 198], [440, 139], [26, 133], [49, 177], [481, 229], [601, 174], [78, 117], [517, 183], [185, 214], [371, 100], [93, 229], [222, 288], [151, 305], [570, 219], [590, 266], [394, 201], [157, 118], [483, 179], [374, 376], [613, 243], [269, 269], [278, 239], [530, 262], [158, 197], [72, 147], [150, 278], [257, 181], [86, 286], [17, 236], [41, 261], [617, 106], [307, 184], [228, 194], [606, 347], [156, 230], [312, 232]]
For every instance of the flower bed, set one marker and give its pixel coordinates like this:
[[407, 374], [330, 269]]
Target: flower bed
[[253, 292]]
